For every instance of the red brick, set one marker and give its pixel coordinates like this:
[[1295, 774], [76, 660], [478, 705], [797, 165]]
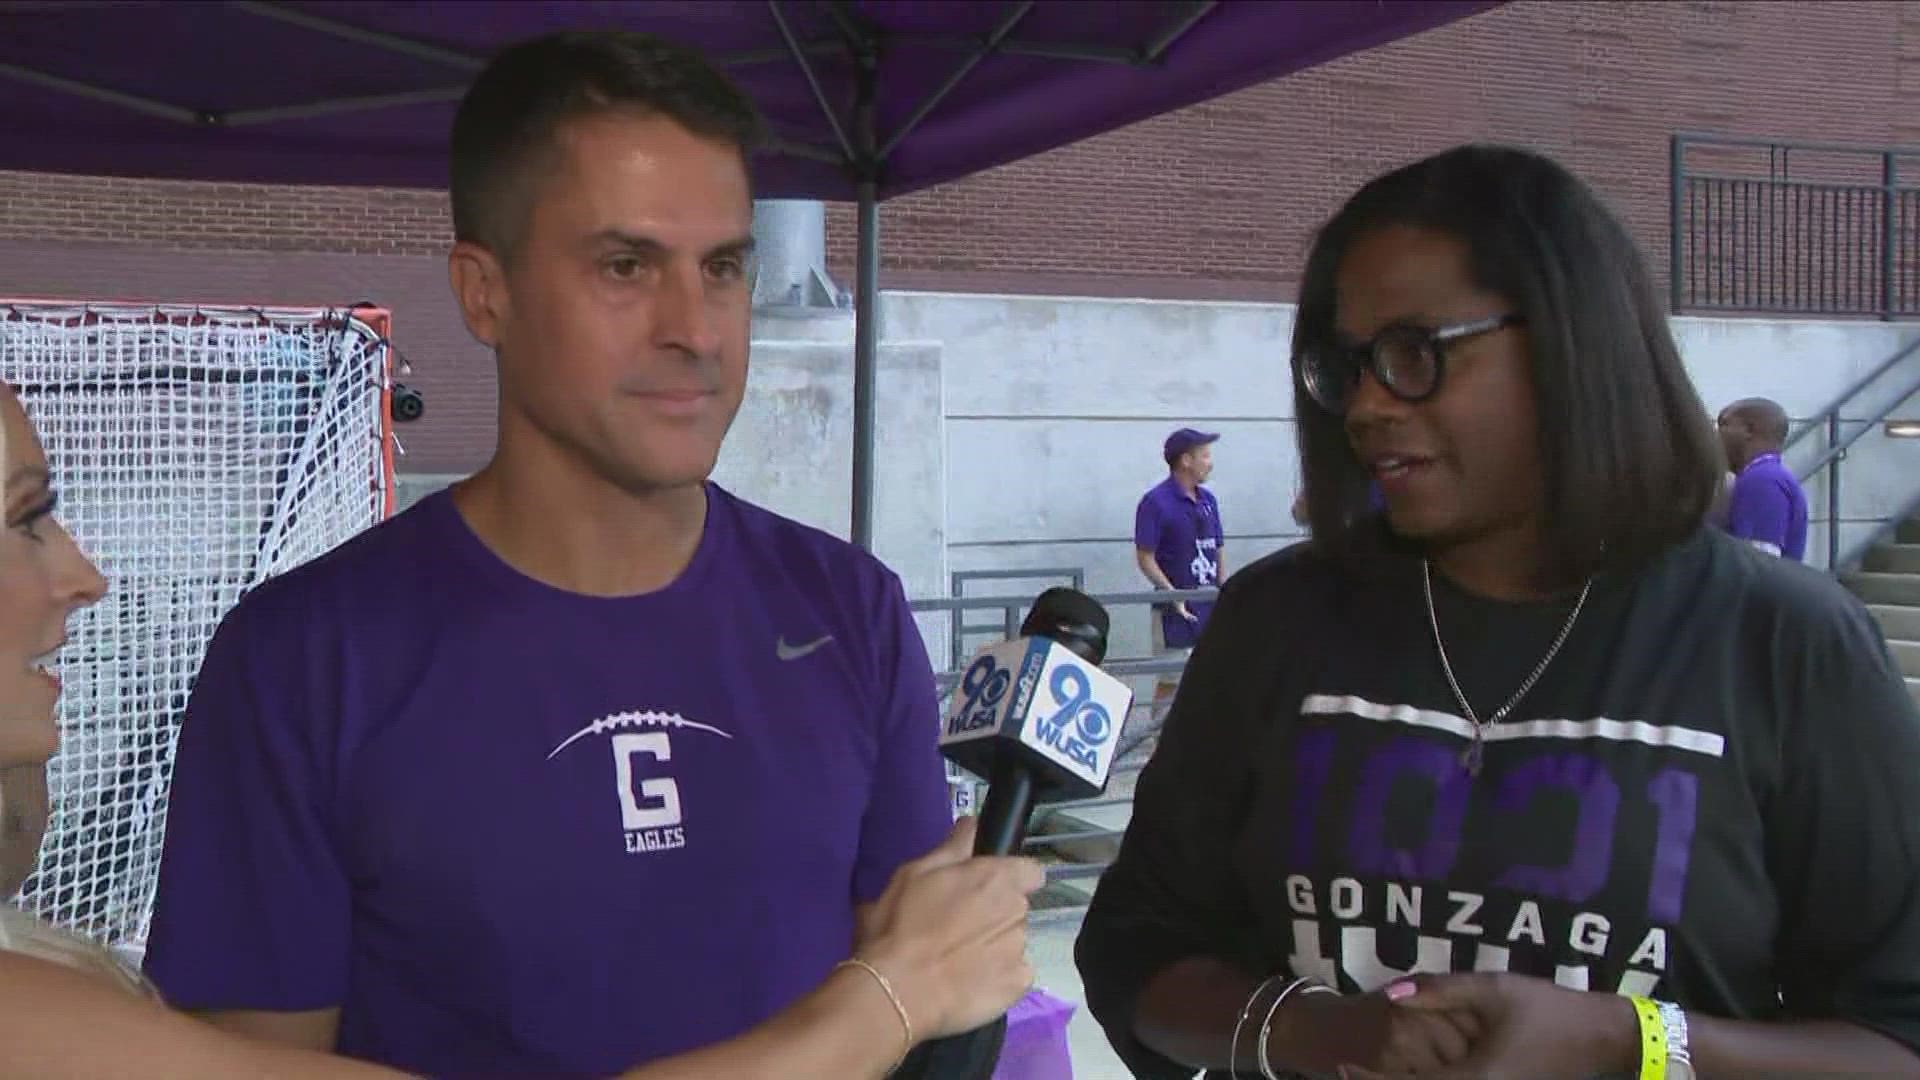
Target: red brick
[[1600, 85]]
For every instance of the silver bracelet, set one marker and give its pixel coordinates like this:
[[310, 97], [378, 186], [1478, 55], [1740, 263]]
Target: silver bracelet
[[1233, 1048], [1304, 986], [1674, 1021]]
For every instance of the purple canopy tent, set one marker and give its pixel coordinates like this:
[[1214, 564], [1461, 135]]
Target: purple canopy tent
[[867, 98]]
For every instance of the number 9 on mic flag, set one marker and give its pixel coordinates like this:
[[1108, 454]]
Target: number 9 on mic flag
[[1034, 697]]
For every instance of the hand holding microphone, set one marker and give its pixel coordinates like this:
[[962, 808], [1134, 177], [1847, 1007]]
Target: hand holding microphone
[[950, 932]]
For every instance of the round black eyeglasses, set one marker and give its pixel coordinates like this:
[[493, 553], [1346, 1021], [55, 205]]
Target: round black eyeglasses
[[1409, 361]]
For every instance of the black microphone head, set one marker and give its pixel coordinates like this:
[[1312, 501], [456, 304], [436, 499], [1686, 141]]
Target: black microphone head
[[1071, 618]]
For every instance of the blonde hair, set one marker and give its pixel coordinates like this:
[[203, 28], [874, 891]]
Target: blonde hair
[[29, 935]]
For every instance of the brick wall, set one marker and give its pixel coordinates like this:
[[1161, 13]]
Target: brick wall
[[222, 217], [1216, 201], [1220, 199]]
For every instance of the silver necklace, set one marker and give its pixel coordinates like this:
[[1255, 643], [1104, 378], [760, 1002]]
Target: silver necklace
[[1475, 751]]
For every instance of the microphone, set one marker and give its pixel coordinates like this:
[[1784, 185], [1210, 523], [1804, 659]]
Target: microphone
[[1037, 717]]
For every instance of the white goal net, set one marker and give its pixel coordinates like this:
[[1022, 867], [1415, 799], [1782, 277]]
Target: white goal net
[[197, 451]]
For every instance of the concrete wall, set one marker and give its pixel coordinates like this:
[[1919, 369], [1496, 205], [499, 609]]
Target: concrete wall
[[1018, 432], [1056, 408], [1015, 431], [791, 448]]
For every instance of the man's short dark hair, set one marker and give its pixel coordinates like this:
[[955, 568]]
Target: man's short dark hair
[[1766, 417], [1629, 456], [506, 129]]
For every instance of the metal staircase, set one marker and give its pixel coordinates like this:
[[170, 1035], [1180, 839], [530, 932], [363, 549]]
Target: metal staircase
[[1882, 569], [1889, 582]]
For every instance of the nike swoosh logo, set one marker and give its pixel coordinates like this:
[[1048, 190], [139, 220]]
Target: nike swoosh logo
[[795, 652]]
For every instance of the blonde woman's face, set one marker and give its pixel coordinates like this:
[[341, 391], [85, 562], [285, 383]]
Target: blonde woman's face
[[44, 579]]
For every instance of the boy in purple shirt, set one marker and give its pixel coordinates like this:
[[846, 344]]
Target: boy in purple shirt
[[1767, 507], [1178, 544], [584, 762]]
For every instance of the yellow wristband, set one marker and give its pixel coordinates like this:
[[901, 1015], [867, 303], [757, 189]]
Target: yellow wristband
[[1653, 1039]]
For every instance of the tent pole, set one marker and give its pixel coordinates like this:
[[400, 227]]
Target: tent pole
[[866, 295], [866, 356]]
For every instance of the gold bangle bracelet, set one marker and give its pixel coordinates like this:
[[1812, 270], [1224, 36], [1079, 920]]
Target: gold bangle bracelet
[[886, 986]]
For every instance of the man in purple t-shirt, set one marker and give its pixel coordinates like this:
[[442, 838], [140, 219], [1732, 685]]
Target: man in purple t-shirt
[[1766, 508], [584, 762], [1178, 544]]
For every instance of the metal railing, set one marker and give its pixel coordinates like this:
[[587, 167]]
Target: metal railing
[[1009, 623], [1761, 225], [1830, 420], [1012, 610]]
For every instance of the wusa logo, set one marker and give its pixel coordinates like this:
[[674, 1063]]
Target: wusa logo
[[651, 816]]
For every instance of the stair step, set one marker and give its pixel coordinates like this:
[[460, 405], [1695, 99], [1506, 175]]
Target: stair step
[[1907, 655], [1893, 558], [1896, 622], [1062, 895], [1082, 834], [1884, 588], [1908, 531]]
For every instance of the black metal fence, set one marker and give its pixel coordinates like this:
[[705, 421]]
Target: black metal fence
[[1794, 228]]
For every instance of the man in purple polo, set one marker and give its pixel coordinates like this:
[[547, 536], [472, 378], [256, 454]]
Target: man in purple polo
[[586, 761], [1767, 507], [1178, 544]]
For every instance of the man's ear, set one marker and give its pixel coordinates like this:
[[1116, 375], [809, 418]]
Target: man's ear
[[480, 288]]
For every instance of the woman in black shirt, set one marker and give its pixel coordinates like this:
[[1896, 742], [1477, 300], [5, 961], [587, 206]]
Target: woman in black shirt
[[1534, 775]]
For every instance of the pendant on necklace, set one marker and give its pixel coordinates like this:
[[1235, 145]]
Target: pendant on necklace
[[1476, 750]]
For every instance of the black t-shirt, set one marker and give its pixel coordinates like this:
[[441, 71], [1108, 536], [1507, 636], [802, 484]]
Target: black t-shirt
[[1712, 796]]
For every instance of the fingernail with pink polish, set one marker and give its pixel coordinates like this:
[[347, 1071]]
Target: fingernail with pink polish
[[1400, 991]]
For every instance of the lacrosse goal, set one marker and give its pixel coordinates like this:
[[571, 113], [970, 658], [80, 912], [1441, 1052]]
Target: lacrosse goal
[[197, 451]]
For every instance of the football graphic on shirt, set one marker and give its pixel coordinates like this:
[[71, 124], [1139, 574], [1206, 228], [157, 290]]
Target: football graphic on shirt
[[650, 811]]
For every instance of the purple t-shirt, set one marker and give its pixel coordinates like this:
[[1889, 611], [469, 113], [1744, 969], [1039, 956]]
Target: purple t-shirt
[[1185, 538], [1769, 509], [510, 830]]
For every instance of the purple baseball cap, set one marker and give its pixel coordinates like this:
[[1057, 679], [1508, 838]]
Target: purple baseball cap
[[1184, 440]]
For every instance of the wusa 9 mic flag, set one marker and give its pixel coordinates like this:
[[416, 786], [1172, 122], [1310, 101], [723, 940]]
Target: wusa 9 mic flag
[[1034, 697]]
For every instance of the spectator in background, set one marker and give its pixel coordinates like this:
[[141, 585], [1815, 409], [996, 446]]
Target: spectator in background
[[1766, 507], [1179, 545]]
